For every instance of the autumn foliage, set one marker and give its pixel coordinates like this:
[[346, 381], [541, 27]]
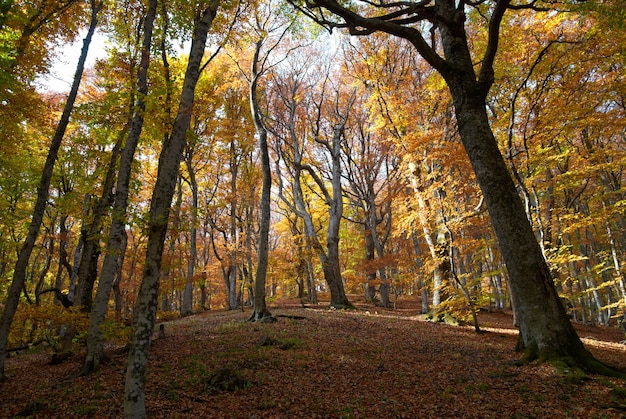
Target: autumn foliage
[[373, 196]]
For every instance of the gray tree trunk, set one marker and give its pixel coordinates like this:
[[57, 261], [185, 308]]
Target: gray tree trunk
[[117, 232], [169, 165], [187, 306], [19, 272], [260, 307], [231, 287]]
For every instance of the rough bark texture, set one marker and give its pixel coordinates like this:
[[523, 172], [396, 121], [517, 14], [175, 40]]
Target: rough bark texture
[[117, 232], [19, 273], [545, 328], [169, 165]]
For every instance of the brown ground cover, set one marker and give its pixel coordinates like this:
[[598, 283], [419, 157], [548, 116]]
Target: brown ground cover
[[320, 363]]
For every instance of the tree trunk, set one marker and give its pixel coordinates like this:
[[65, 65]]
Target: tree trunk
[[19, 273], [370, 275], [545, 329], [187, 306], [169, 165], [260, 307], [95, 348], [90, 235]]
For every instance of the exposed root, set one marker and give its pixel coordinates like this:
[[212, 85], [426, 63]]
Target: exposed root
[[575, 365]]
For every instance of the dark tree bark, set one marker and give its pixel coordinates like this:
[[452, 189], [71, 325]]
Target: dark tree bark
[[545, 330], [87, 269], [117, 231], [169, 165], [19, 273]]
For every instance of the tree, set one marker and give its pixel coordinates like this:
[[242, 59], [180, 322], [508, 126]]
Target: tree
[[117, 231], [307, 115], [266, 27], [19, 273], [169, 164], [260, 307], [371, 170], [439, 25]]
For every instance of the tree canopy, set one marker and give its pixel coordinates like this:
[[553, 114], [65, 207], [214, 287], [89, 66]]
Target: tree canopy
[[469, 153]]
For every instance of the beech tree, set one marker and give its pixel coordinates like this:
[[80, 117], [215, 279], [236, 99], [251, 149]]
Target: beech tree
[[117, 230], [144, 315], [19, 273], [312, 116], [437, 29]]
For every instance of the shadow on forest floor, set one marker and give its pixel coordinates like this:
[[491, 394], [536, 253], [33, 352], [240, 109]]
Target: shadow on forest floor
[[364, 363]]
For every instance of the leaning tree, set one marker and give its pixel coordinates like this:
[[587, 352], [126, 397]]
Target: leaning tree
[[439, 31]]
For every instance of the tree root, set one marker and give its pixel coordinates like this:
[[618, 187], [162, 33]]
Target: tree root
[[576, 365], [262, 317]]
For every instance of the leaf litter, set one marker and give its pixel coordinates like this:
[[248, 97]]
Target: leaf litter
[[364, 363]]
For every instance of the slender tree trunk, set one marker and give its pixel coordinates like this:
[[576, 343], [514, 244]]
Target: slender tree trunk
[[90, 235], [117, 291], [95, 348], [19, 273], [260, 307], [64, 263], [437, 253], [169, 165], [231, 286], [187, 306], [421, 285], [370, 275]]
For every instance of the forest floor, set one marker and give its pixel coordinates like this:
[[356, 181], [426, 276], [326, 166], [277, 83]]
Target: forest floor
[[321, 363]]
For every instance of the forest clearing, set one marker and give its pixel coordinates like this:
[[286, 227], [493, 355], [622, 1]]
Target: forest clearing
[[364, 363]]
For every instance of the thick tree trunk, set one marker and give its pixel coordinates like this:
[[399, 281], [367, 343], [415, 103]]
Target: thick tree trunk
[[19, 273], [169, 165], [117, 232], [545, 329]]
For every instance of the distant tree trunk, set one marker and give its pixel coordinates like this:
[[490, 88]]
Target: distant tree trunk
[[370, 273], [90, 234], [19, 272], [169, 165], [434, 240], [187, 306], [117, 292], [64, 262], [95, 347], [231, 287], [421, 285], [260, 306], [334, 201]]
